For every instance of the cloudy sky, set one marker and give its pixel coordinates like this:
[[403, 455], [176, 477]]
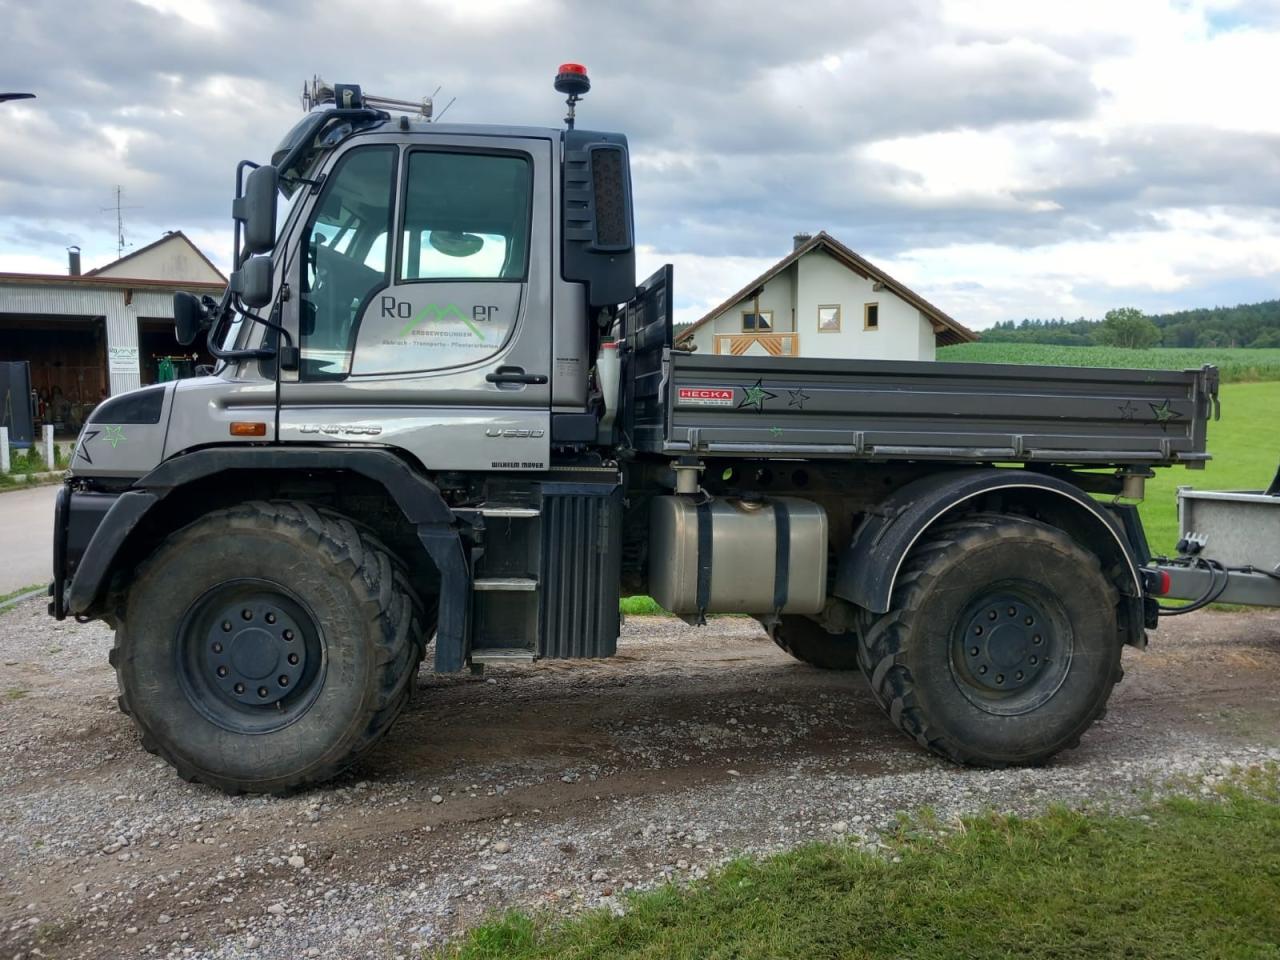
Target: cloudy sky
[[1006, 158]]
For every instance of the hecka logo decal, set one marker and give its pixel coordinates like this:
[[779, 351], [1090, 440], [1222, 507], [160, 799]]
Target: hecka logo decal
[[705, 396]]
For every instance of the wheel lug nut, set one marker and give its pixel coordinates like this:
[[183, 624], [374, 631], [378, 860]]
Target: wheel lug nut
[[1037, 639], [982, 669], [239, 688], [284, 680], [226, 626], [246, 614], [1013, 611], [217, 647], [222, 671], [977, 630], [1035, 660], [271, 618], [263, 691], [999, 678], [1018, 675], [973, 651], [1029, 621], [288, 634], [293, 659], [992, 615]]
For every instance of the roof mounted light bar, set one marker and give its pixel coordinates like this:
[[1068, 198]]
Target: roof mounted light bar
[[349, 96]]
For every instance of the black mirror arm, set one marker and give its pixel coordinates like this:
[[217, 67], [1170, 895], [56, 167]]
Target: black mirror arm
[[262, 353], [218, 311], [269, 324]]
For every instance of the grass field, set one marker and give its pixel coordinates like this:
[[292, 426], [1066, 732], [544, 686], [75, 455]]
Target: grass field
[[1236, 365], [1245, 445], [1196, 879]]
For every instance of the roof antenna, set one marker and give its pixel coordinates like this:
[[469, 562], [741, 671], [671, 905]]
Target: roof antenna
[[573, 82], [119, 209]]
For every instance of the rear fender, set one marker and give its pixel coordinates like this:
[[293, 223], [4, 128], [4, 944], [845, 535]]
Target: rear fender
[[867, 570]]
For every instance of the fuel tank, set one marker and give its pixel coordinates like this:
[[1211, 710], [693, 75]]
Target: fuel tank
[[738, 556]]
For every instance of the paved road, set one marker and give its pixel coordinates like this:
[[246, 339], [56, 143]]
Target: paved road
[[26, 537]]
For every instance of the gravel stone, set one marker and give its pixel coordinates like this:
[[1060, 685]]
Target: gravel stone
[[675, 788]]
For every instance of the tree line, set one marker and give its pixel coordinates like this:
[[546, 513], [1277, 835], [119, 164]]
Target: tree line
[[1245, 325]]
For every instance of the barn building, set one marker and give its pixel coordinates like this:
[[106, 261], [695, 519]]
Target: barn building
[[87, 336]]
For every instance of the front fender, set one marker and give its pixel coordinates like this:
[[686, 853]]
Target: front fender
[[418, 499]]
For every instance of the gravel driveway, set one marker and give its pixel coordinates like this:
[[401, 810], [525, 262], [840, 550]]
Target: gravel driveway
[[556, 784]]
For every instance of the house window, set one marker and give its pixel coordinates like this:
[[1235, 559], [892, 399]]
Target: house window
[[753, 322], [871, 316], [829, 318]]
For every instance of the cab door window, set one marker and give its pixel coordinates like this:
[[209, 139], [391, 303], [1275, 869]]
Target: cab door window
[[466, 217], [463, 264], [348, 258]]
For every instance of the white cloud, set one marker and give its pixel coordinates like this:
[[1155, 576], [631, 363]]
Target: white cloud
[[1007, 158]]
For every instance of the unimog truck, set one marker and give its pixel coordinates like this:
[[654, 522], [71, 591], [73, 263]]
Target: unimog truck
[[444, 412]]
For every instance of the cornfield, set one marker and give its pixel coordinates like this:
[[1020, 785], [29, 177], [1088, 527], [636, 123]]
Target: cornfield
[[1238, 365]]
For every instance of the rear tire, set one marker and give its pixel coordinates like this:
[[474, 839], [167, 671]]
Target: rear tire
[[1002, 644], [266, 647], [809, 642]]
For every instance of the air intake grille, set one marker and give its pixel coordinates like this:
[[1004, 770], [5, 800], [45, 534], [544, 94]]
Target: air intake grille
[[610, 195], [581, 569]]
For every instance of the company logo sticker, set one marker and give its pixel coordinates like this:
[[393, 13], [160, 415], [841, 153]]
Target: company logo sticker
[[705, 396]]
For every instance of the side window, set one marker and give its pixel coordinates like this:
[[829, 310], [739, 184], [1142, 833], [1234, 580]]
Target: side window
[[347, 257], [464, 257], [466, 217]]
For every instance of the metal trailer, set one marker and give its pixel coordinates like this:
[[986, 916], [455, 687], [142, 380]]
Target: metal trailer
[[406, 441], [1228, 549]]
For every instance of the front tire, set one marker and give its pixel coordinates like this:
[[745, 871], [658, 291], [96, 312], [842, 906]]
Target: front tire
[[1002, 645], [266, 647]]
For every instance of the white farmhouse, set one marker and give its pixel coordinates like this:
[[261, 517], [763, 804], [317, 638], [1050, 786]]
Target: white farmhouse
[[823, 300]]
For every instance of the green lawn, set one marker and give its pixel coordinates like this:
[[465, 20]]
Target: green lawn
[[1235, 365], [1245, 445], [1196, 879]]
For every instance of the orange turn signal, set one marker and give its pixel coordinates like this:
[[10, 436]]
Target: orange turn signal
[[244, 428]]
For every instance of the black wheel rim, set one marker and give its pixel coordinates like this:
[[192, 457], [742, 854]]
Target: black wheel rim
[[1011, 648], [251, 657]]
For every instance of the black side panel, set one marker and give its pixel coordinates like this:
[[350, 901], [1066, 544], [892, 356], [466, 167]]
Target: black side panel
[[581, 569], [137, 406], [646, 331], [598, 248], [15, 408]]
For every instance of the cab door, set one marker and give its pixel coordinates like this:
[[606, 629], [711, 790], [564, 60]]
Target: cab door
[[424, 281]]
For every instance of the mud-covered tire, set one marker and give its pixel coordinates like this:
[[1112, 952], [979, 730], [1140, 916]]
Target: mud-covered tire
[[354, 630], [810, 643], [995, 597]]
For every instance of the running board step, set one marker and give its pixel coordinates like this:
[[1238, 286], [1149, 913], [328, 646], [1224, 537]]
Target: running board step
[[501, 510], [506, 510], [509, 584], [501, 655]]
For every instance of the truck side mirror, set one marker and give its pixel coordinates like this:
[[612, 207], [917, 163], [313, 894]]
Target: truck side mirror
[[256, 209], [252, 282], [189, 317]]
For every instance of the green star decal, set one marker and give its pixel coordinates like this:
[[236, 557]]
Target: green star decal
[[114, 436], [1164, 413], [775, 431], [756, 395]]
